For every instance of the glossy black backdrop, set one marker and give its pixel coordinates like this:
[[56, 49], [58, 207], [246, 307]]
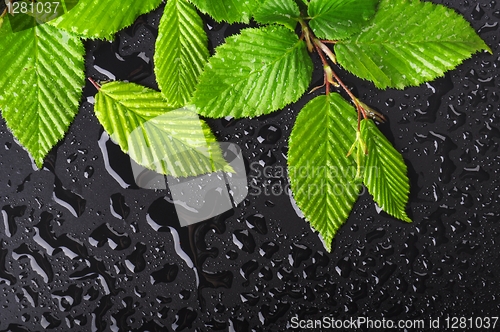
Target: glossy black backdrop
[[80, 251]]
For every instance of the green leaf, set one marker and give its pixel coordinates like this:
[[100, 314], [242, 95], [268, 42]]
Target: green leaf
[[322, 178], [103, 18], [339, 19], [408, 43], [180, 53], [5, 28], [385, 172], [156, 135], [285, 12], [228, 10], [41, 84], [255, 73]]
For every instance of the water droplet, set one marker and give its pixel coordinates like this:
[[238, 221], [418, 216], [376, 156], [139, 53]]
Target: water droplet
[[5, 276], [69, 298], [71, 158], [49, 321], [118, 207], [68, 199], [375, 234], [116, 162], [439, 88], [106, 234], [20, 188], [268, 249], [298, 254], [88, 172], [267, 159], [269, 134], [382, 275], [167, 274], [244, 240], [38, 261], [487, 27], [344, 267], [184, 319], [476, 173], [258, 223], [9, 215], [247, 268], [136, 262], [477, 13]]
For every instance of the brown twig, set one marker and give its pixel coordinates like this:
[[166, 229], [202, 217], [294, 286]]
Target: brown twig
[[94, 83]]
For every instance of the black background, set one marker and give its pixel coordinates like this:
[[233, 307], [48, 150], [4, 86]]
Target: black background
[[78, 250]]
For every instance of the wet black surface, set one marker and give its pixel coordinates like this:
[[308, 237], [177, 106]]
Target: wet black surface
[[82, 247]]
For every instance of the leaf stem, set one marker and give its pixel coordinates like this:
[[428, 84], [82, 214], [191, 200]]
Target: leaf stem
[[94, 83], [357, 103], [326, 41], [326, 70], [325, 49], [307, 35], [331, 77]]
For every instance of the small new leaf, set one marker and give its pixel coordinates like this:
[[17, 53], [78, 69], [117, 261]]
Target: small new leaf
[[180, 53], [41, 85], [228, 10], [408, 43], [102, 18], [339, 19], [255, 73], [385, 172], [156, 135], [285, 12], [323, 179]]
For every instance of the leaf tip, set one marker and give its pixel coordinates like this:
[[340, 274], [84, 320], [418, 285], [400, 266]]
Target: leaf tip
[[401, 215], [327, 241], [228, 169], [39, 162]]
